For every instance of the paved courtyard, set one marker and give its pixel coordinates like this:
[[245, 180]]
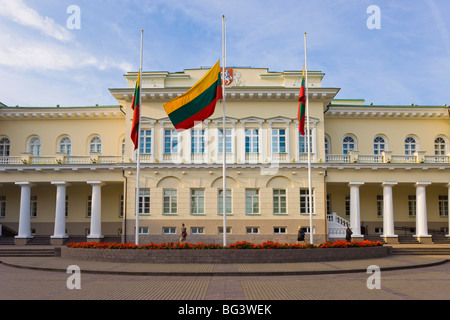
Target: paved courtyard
[[427, 283]]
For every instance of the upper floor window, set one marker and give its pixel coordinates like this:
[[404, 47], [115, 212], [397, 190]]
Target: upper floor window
[[279, 144], [65, 145], [4, 146], [145, 143], [34, 146], [198, 141], [440, 146], [410, 145], [348, 144], [251, 141], [170, 141], [95, 145], [303, 143], [228, 144], [379, 145]]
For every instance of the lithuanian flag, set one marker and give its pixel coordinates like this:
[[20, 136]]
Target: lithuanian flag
[[198, 103], [302, 106], [135, 106]]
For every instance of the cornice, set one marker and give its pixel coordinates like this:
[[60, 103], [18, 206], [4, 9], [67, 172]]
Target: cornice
[[84, 113], [386, 112]]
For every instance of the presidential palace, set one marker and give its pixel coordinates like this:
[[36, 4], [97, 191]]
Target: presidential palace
[[69, 173]]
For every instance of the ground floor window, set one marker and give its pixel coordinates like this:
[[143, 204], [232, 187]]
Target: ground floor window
[[144, 201], [279, 230], [443, 206], [412, 205], [2, 206], [279, 201], [169, 230]]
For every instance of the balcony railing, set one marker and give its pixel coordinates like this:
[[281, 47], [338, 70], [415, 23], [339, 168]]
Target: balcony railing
[[201, 158]]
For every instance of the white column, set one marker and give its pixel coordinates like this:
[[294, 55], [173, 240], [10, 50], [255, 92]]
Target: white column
[[448, 206], [421, 210], [388, 210], [96, 212], [355, 216], [24, 215], [60, 210]]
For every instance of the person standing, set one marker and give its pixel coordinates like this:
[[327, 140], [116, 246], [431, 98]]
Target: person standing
[[300, 235], [183, 233], [348, 234]]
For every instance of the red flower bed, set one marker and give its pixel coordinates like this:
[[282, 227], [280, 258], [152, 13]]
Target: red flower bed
[[206, 246]]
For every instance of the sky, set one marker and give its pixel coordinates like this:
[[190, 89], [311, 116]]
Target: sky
[[70, 52]]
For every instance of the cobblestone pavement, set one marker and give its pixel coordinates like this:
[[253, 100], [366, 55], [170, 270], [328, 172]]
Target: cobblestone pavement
[[427, 283]]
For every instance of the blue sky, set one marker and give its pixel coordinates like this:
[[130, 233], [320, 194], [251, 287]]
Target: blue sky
[[44, 63]]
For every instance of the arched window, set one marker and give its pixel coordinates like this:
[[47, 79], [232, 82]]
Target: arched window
[[440, 146], [410, 145], [34, 146], [379, 145], [4, 146], [348, 144], [95, 145], [65, 145]]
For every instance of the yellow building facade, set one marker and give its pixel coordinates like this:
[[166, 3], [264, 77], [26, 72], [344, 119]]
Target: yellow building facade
[[70, 173]]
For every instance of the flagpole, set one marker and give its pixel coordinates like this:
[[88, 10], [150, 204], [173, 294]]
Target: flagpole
[[308, 138], [224, 167], [138, 154]]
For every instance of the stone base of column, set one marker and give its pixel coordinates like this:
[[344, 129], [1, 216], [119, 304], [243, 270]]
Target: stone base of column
[[21, 241], [95, 238], [57, 241], [424, 239], [358, 238], [390, 239]]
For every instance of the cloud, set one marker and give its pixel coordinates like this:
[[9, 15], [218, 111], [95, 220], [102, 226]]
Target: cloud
[[19, 12]]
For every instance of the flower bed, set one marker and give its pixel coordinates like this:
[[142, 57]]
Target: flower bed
[[205, 246], [239, 252]]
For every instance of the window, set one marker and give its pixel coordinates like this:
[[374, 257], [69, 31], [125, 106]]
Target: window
[[303, 143], [443, 206], [89, 207], [2, 206], [410, 146], [33, 206], [123, 147], [220, 230], [95, 145], [65, 145], [228, 201], [4, 147], [379, 145], [412, 206], [380, 206], [170, 201], [143, 230], [197, 230], [304, 201], [327, 145], [197, 201], [170, 141], [279, 141], [279, 230], [198, 141], [169, 230], [121, 206], [440, 147], [66, 207], [347, 204], [348, 144], [145, 142], [34, 146], [251, 141], [279, 201], [228, 144], [252, 230], [328, 203], [144, 201], [252, 201]]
